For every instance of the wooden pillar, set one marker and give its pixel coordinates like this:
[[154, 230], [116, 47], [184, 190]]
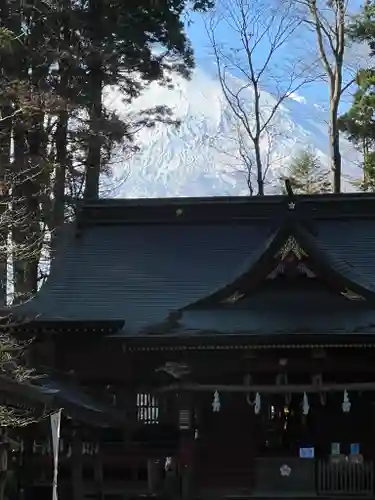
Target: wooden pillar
[[98, 473], [153, 475], [186, 448], [187, 465], [77, 480]]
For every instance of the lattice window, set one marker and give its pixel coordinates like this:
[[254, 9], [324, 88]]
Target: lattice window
[[147, 408]]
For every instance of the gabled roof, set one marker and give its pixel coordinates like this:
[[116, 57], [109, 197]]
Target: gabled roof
[[147, 262], [328, 266]]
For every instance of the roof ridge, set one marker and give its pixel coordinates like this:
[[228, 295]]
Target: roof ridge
[[227, 199], [224, 209]]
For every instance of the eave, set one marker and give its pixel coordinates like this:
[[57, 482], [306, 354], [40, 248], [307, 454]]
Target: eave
[[328, 267], [221, 209], [40, 328], [216, 342]]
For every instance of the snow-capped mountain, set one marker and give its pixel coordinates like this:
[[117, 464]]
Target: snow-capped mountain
[[200, 157]]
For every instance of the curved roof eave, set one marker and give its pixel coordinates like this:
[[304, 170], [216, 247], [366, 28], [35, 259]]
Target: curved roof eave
[[28, 311], [322, 262], [326, 264], [258, 267]]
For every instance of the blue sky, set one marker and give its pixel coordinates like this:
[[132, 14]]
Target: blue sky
[[203, 52], [316, 92]]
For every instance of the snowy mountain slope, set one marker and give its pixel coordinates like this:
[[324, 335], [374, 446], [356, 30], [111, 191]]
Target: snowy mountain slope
[[200, 158]]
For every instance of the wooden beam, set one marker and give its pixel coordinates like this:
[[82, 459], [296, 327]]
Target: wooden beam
[[270, 389]]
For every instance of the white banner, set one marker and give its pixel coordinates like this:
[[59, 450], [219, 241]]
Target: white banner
[[55, 428]]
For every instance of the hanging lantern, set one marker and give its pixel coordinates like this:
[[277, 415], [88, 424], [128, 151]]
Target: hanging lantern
[[216, 403], [305, 404], [346, 404]]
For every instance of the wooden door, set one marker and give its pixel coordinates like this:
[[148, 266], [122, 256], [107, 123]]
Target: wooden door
[[225, 446]]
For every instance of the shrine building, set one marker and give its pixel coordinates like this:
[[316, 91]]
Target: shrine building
[[235, 337]]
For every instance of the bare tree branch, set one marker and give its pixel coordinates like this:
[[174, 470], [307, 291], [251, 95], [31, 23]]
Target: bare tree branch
[[261, 31]]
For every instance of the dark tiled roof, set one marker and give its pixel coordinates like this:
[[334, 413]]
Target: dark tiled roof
[[142, 273], [78, 404], [144, 261], [47, 394], [351, 241], [300, 311]]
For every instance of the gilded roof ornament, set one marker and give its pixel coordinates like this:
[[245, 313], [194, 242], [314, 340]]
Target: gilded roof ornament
[[232, 299], [291, 246], [349, 294]]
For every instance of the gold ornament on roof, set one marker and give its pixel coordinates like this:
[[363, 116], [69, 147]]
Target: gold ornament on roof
[[291, 246], [232, 299], [349, 294]]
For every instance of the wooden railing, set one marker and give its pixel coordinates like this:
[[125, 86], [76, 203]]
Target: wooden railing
[[345, 478]]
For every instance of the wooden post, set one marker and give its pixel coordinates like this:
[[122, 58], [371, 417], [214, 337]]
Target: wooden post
[[77, 480], [187, 465], [98, 474], [153, 475], [186, 448]]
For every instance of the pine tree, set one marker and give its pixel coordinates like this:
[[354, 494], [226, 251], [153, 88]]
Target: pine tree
[[359, 125], [307, 175], [55, 60], [358, 122]]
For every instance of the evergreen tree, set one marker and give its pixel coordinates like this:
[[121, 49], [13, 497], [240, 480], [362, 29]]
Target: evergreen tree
[[56, 57], [307, 175], [56, 135], [358, 123]]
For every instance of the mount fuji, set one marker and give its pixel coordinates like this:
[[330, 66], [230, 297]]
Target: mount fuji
[[200, 156]]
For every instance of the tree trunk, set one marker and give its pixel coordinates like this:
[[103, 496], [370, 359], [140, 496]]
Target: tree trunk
[[334, 151], [61, 135], [259, 166], [95, 103], [5, 153], [26, 232], [333, 129], [18, 212], [3, 470], [60, 176], [28, 153], [33, 190]]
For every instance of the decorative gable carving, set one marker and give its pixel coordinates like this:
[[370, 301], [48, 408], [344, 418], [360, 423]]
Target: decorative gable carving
[[291, 247], [291, 261], [286, 262], [292, 269]]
